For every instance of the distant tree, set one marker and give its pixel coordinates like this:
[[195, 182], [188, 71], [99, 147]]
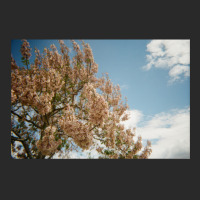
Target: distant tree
[[59, 105]]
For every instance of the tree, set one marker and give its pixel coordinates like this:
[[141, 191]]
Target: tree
[[59, 105]]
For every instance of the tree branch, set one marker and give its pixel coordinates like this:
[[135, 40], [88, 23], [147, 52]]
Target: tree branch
[[25, 119], [18, 139], [24, 144]]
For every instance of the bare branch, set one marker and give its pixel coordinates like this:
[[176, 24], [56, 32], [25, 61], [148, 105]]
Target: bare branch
[[24, 144], [26, 119]]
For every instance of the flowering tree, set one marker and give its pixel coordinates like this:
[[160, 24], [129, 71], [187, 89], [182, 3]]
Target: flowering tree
[[59, 105]]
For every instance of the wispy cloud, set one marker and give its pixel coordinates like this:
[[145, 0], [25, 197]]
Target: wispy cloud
[[172, 55], [168, 131], [124, 87]]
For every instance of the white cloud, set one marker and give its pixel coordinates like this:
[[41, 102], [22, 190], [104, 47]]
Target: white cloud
[[169, 133], [172, 55], [177, 70]]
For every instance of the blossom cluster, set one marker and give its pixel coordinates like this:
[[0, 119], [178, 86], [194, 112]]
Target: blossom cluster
[[96, 105], [88, 54], [48, 144], [75, 129], [13, 64], [35, 87], [25, 49], [147, 151]]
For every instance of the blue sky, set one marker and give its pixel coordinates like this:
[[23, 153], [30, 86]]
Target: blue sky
[[155, 85]]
